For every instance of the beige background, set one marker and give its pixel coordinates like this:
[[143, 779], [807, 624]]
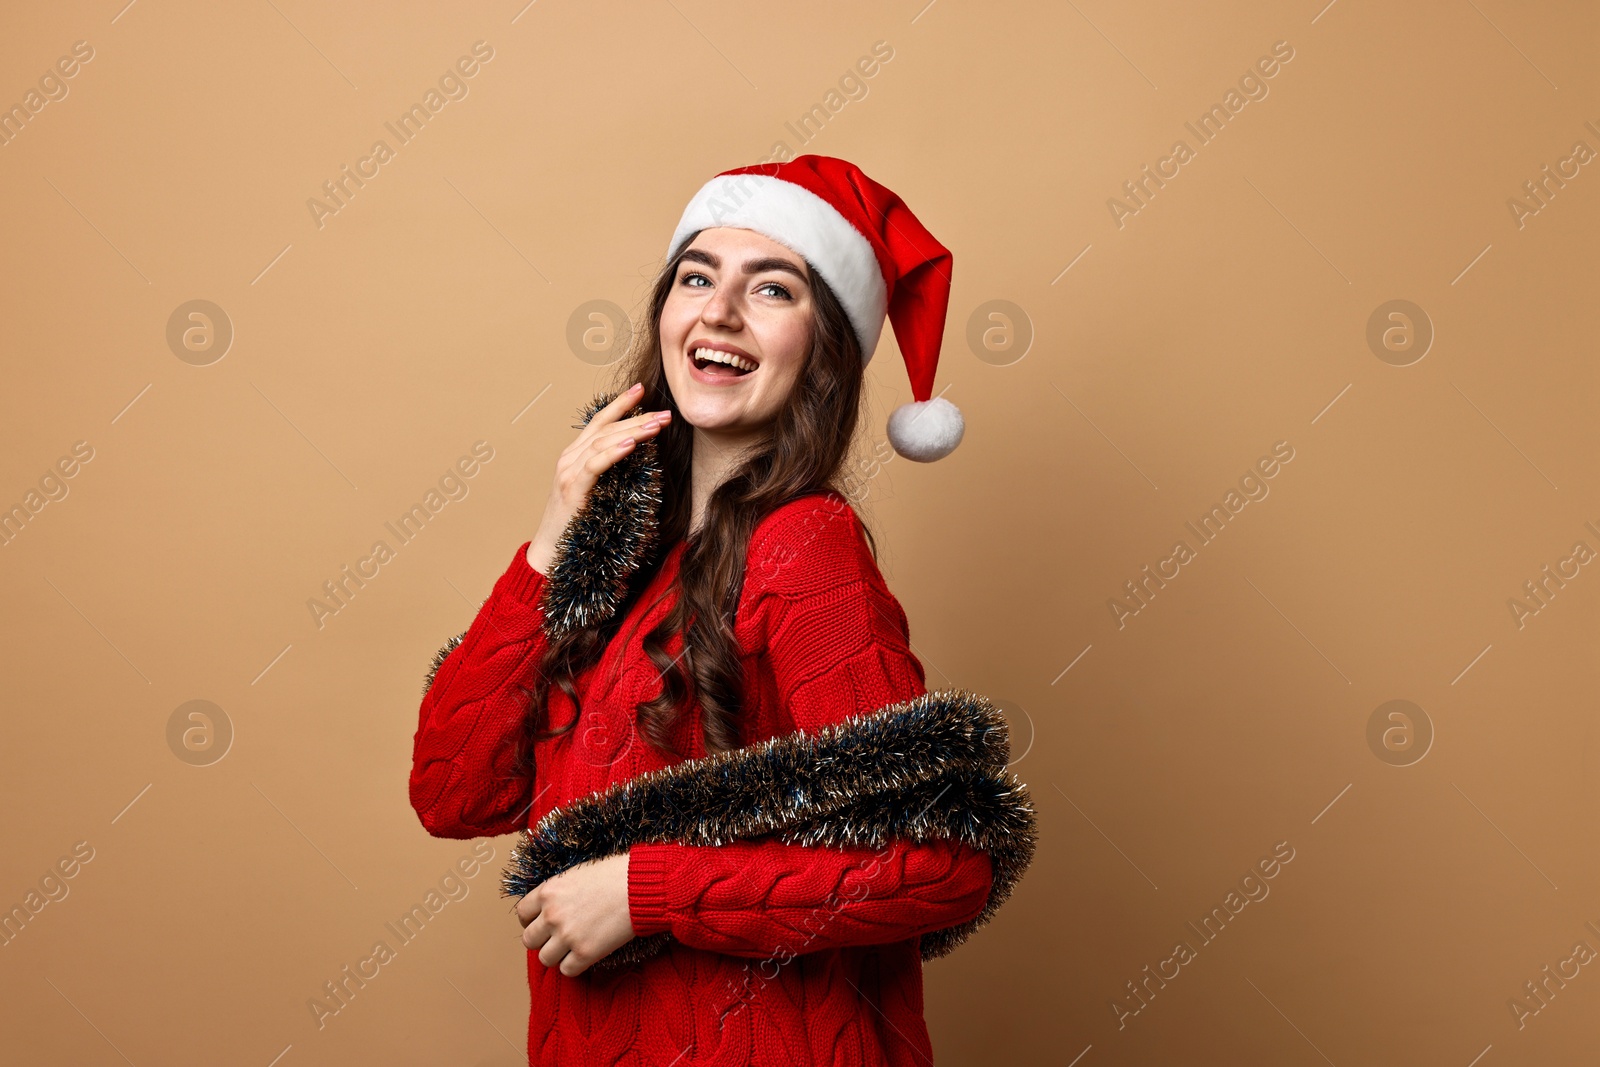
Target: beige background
[[1228, 314]]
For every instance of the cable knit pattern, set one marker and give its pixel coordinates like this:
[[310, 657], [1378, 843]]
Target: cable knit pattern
[[783, 953], [461, 782]]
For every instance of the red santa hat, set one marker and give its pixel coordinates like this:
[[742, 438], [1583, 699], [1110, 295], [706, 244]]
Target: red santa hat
[[871, 250]]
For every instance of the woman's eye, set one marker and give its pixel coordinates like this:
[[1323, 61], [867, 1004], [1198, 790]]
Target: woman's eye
[[782, 293], [688, 278]]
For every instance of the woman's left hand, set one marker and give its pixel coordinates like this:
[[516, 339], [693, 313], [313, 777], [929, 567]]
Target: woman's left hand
[[580, 916]]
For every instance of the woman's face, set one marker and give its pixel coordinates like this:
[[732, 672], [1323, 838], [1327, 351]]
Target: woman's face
[[741, 294]]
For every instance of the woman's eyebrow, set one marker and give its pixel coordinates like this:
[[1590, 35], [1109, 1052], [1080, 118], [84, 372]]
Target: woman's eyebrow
[[756, 266], [751, 266]]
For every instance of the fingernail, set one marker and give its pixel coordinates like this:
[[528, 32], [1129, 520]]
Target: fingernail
[[635, 387]]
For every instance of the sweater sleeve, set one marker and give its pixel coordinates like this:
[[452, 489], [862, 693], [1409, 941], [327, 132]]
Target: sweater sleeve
[[837, 645], [462, 784]]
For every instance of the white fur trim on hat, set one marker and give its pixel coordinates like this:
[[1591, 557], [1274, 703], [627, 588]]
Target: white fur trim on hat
[[804, 222]]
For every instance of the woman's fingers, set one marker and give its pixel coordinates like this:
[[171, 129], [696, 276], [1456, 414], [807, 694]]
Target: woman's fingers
[[616, 428], [553, 951], [601, 459], [579, 456], [604, 440], [637, 427], [581, 468], [647, 418], [602, 451], [609, 414]]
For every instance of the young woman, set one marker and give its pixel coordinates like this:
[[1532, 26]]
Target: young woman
[[750, 821]]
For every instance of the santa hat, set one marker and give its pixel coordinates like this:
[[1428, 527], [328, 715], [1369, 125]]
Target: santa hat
[[870, 249]]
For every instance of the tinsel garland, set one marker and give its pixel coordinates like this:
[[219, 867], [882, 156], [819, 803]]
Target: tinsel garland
[[928, 768], [608, 539]]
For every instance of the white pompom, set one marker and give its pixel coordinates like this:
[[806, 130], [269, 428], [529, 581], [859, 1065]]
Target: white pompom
[[926, 430]]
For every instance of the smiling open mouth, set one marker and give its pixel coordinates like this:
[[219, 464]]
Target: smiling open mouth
[[721, 364]]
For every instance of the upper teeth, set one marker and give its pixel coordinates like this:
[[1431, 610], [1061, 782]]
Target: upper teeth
[[719, 356]]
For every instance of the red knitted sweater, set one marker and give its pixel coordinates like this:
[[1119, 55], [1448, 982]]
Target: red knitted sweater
[[782, 953]]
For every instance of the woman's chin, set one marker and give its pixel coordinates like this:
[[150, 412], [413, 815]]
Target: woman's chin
[[704, 410]]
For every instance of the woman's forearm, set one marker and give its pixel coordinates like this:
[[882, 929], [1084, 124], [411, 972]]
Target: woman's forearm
[[462, 783]]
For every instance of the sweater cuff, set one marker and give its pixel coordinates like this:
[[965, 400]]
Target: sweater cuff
[[521, 581], [648, 868]]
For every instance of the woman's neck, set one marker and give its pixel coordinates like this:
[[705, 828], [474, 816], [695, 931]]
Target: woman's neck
[[714, 457]]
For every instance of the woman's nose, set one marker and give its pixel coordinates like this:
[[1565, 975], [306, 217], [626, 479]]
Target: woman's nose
[[722, 309]]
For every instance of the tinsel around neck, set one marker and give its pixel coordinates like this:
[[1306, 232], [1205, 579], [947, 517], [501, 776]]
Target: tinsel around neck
[[610, 537]]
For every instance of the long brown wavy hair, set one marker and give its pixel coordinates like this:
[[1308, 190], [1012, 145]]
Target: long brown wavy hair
[[803, 452]]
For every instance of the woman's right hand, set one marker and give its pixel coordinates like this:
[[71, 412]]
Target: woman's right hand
[[603, 441]]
